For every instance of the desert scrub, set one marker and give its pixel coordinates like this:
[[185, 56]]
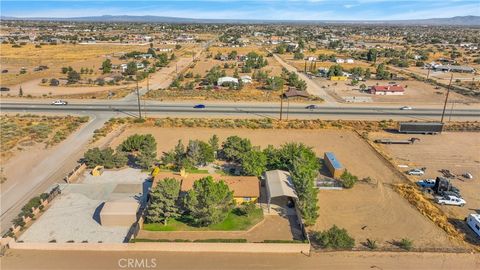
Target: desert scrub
[[247, 94], [19, 131], [269, 123], [109, 126], [334, 238]]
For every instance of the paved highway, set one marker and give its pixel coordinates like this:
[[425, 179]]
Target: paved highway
[[238, 110]]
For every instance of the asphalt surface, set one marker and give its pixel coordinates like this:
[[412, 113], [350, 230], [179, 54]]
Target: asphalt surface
[[233, 109]]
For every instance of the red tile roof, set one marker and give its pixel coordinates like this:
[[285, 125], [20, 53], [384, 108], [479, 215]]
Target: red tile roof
[[387, 88]]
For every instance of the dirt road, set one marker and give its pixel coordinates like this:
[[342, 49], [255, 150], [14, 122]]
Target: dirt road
[[312, 87], [38, 260]]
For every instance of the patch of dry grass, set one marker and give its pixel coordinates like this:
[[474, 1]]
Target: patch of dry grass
[[25, 130]]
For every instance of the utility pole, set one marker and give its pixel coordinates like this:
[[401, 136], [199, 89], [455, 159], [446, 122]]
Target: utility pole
[[428, 73], [446, 98], [138, 99]]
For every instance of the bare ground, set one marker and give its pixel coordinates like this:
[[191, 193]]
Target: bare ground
[[24, 259]]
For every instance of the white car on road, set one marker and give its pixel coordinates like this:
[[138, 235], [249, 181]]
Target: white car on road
[[59, 102], [416, 172], [450, 200], [406, 108]]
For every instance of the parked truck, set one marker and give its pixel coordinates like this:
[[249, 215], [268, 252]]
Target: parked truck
[[420, 127]]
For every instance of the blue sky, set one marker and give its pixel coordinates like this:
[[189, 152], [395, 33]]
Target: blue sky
[[232, 9]]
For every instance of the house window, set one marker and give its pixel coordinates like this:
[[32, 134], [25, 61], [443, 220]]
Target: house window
[[247, 199], [477, 227]]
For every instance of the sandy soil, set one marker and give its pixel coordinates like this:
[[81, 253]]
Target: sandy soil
[[55, 57], [18, 259], [458, 152], [416, 92], [375, 206]]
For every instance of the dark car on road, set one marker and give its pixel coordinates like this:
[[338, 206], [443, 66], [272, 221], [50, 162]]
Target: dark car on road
[[312, 107], [199, 106]]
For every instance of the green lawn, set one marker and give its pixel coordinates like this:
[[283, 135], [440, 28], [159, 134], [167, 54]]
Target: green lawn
[[232, 222], [195, 170]]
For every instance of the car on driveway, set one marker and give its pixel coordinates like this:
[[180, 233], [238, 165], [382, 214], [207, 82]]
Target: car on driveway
[[199, 106], [416, 172], [426, 183], [450, 200], [405, 108], [312, 107], [59, 102]]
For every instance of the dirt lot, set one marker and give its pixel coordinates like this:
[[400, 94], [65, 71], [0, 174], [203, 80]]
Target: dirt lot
[[55, 57], [77, 56], [416, 92], [376, 208], [458, 152]]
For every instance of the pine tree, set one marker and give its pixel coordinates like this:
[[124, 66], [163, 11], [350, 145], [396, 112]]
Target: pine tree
[[164, 201]]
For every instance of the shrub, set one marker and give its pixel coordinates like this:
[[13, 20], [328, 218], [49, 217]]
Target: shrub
[[348, 179], [405, 243], [335, 238], [246, 209], [371, 244]]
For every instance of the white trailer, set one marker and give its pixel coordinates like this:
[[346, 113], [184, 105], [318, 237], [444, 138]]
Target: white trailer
[[473, 221]]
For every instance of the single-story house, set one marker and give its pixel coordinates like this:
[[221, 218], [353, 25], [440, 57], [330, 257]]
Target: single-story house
[[227, 80], [453, 68], [123, 67], [349, 61], [339, 61], [293, 92], [387, 90], [245, 188], [311, 58]]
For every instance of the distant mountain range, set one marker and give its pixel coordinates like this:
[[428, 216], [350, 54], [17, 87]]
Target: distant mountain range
[[457, 21]]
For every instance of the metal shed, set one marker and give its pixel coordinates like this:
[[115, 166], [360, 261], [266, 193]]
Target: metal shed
[[333, 165]]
